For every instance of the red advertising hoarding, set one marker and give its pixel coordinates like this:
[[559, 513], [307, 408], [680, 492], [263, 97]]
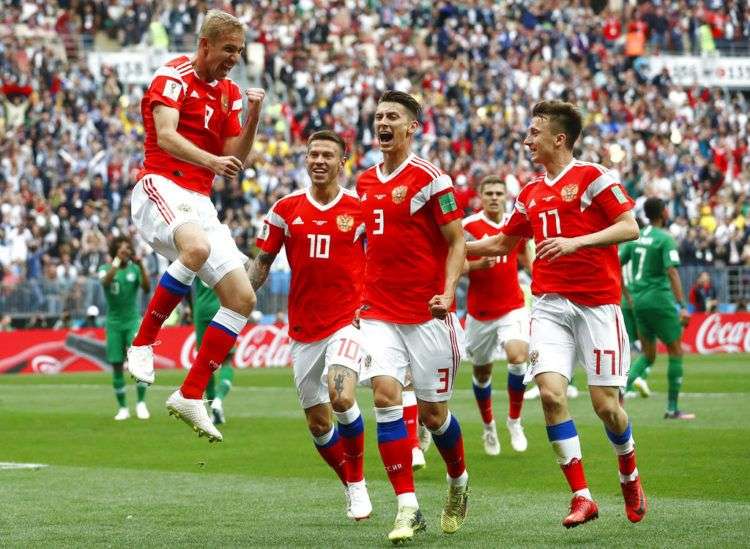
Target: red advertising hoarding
[[264, 346]]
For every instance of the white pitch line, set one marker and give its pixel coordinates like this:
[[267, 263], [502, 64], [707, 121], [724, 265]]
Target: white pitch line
[[26, 386], [13, 465]]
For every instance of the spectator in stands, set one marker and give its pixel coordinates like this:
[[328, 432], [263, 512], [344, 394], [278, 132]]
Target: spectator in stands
[[703, 294]]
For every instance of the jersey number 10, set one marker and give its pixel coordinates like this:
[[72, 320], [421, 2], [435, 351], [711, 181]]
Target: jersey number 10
[[320, 245]]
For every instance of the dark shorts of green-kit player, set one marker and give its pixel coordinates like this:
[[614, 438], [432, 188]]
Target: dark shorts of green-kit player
[[628, 315]]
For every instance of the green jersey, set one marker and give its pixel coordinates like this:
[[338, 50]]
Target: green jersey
[[650, 257], [205, 302], [122, 295], [627, 274]]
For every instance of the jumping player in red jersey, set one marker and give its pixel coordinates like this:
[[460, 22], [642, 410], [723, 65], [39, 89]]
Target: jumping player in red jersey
[[191, 114], [415, 254], [497, 317], [322, 230], [576, 212]]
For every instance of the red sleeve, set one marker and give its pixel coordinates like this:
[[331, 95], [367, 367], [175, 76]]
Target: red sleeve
[[518, 224], [166, 90], [232, 125], [614, 201], [271, 237], [444, 207]]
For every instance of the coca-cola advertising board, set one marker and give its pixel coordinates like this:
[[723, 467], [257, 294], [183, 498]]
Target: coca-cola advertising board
[[83, 350], [265, 346]]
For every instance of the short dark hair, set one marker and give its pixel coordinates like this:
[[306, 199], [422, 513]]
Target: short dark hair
[[408, 101], [116, 243], [328, 135], [491, 180], [563, 117], [653, 208]]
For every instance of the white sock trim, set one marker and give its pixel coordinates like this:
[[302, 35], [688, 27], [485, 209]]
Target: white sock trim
[[585, 493], [348, 416], [230, 319], [322, 440], [407, 499], [629, 478], [481, 384], [408, 398], [444, 427], [517, 369], [622, 449], [179, 272], [567, 449], [388, 414], [461, 480]]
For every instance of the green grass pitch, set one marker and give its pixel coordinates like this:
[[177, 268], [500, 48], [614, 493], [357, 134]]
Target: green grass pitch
[[154, 483]]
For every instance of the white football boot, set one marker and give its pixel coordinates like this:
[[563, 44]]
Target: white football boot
[[358, 500], [193, 412], [141, 363], [532, 393], [642, 387], [122, 413], [141, 411], [425, 437], [417, 459], [490, 440], [217, 410], [517, 436]]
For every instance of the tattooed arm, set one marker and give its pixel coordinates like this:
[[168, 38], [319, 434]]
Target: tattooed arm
[[258, 271]]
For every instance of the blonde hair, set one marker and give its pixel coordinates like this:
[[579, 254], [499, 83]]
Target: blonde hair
[[218, 23]]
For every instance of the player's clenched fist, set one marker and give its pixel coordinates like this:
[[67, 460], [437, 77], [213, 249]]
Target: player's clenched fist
[[228, 166], [255, 98], [440, 306]]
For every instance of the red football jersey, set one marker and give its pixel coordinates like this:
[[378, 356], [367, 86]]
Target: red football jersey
[[406, 250], [583, 199], [326, 256], [209, 113], [495, 291]]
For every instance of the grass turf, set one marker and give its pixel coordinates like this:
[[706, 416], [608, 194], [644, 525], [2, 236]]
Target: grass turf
[[154, 483]]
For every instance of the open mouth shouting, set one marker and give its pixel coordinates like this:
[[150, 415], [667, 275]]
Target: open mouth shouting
[[385, 137]]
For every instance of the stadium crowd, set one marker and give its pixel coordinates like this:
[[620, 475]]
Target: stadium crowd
[[72, 140]]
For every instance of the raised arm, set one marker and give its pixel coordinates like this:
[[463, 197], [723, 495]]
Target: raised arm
[[241, 145], [166, 120]]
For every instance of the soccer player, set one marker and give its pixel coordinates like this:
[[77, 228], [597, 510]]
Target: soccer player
[[576, 212], [497, 316], [205, 307], [628, 316], [657, 296], [121, 280], [191, 114], [415, 255], [321, 229]]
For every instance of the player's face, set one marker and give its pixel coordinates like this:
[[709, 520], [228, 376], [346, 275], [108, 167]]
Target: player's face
[[124, 252], [223, 54], [493, 198], [542, 142], [324, 162], [394, 126]]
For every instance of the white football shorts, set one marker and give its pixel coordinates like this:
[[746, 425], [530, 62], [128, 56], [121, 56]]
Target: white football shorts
[[311, 361], [485, 339], [563, 333], [160, 206], [431, 351]]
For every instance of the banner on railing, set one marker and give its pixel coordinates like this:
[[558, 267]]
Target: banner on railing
[[686, 70], [266, 346], [55, 351]]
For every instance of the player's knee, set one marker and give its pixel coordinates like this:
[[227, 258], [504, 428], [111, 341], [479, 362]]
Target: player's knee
[[342, 403], [432, 418], [318, 425], [517, 357], [607, 410], [553, 400], [195, 254]]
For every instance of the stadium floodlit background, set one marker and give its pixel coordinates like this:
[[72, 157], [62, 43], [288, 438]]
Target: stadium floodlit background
[[665, 90]]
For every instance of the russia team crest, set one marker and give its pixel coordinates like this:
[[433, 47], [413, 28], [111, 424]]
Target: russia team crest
[[399, 194], [569, 192], [344, 222]]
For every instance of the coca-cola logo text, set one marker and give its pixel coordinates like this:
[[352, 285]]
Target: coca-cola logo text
[[720, 334], [262, 346]]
